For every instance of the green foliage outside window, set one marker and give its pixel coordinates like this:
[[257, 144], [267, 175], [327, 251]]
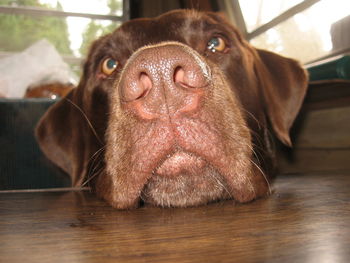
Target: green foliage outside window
[[20, 31], [95, 29]]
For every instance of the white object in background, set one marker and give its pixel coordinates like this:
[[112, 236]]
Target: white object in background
[[39, 64]]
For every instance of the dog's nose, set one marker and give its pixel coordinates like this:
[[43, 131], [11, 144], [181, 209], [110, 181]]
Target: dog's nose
[[164, 79]]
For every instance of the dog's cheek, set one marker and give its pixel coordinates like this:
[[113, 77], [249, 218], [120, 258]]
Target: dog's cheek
[[246, 179], [123, 179], [117, 185]]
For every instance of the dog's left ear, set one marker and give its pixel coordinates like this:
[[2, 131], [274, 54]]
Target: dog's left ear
[[283, 84]]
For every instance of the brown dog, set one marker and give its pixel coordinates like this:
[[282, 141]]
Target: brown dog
[[174, 111]]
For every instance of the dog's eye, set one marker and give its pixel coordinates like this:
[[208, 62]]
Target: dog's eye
[[216, 44], [108, 66]]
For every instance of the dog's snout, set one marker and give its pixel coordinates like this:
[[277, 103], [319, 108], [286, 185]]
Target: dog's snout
[[163, 79]]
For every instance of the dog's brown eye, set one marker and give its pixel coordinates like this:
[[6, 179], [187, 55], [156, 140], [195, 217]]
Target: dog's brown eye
[[216, 44], [108, 66]]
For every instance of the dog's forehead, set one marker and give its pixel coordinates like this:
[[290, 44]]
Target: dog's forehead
[[168, 21], [176, 26]]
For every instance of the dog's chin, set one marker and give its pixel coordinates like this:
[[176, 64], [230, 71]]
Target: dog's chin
[[183, 180]]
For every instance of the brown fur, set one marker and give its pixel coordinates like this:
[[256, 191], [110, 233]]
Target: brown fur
[[170, 143]]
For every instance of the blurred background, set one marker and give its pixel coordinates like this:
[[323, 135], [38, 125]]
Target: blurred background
[[308, 30]]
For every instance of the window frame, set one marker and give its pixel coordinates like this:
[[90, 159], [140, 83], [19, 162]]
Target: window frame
[[37, 11], [235, 13]]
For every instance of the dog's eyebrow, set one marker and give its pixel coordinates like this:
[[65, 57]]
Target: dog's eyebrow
[[212, 26]]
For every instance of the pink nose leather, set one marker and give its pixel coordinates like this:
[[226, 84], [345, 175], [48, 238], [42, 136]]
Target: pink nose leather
[[163, 80]]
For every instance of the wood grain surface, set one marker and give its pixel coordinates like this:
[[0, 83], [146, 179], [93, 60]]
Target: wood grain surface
[[307, 219]]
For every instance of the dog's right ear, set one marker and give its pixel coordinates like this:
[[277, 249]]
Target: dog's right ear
[[283, 84], [59, 140], [67, 133]]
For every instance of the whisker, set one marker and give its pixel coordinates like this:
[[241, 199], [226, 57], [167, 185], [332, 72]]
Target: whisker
[[97, 153], [221, 184], [94, 165], [267, 134], [86, 118], [252, 116], [94, 157], [256, 155], [98, 172], [263, 174]]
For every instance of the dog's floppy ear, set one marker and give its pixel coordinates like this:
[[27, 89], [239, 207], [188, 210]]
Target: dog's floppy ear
[[71, 132], [59, 134], [283, 84]]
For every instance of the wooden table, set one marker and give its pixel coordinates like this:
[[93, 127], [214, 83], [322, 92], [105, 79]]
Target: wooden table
[[306, 220]]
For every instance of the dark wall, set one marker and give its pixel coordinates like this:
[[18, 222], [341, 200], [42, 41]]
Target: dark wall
[[152, 8]]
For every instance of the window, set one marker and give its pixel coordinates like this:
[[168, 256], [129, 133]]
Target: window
[[294, 28], [69, 25]]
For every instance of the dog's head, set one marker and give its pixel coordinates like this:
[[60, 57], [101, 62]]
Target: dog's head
[[174, 111]]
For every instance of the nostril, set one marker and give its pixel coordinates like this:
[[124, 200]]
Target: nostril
[[145, 83], [135, 86], [189, 77], [179, 75]]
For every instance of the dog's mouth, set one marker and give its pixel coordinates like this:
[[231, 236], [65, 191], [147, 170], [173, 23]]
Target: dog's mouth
[[184, 162], [184, 179], [178, 163]]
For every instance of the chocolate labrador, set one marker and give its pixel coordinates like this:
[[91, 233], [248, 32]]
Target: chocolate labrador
[[174, 111]]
